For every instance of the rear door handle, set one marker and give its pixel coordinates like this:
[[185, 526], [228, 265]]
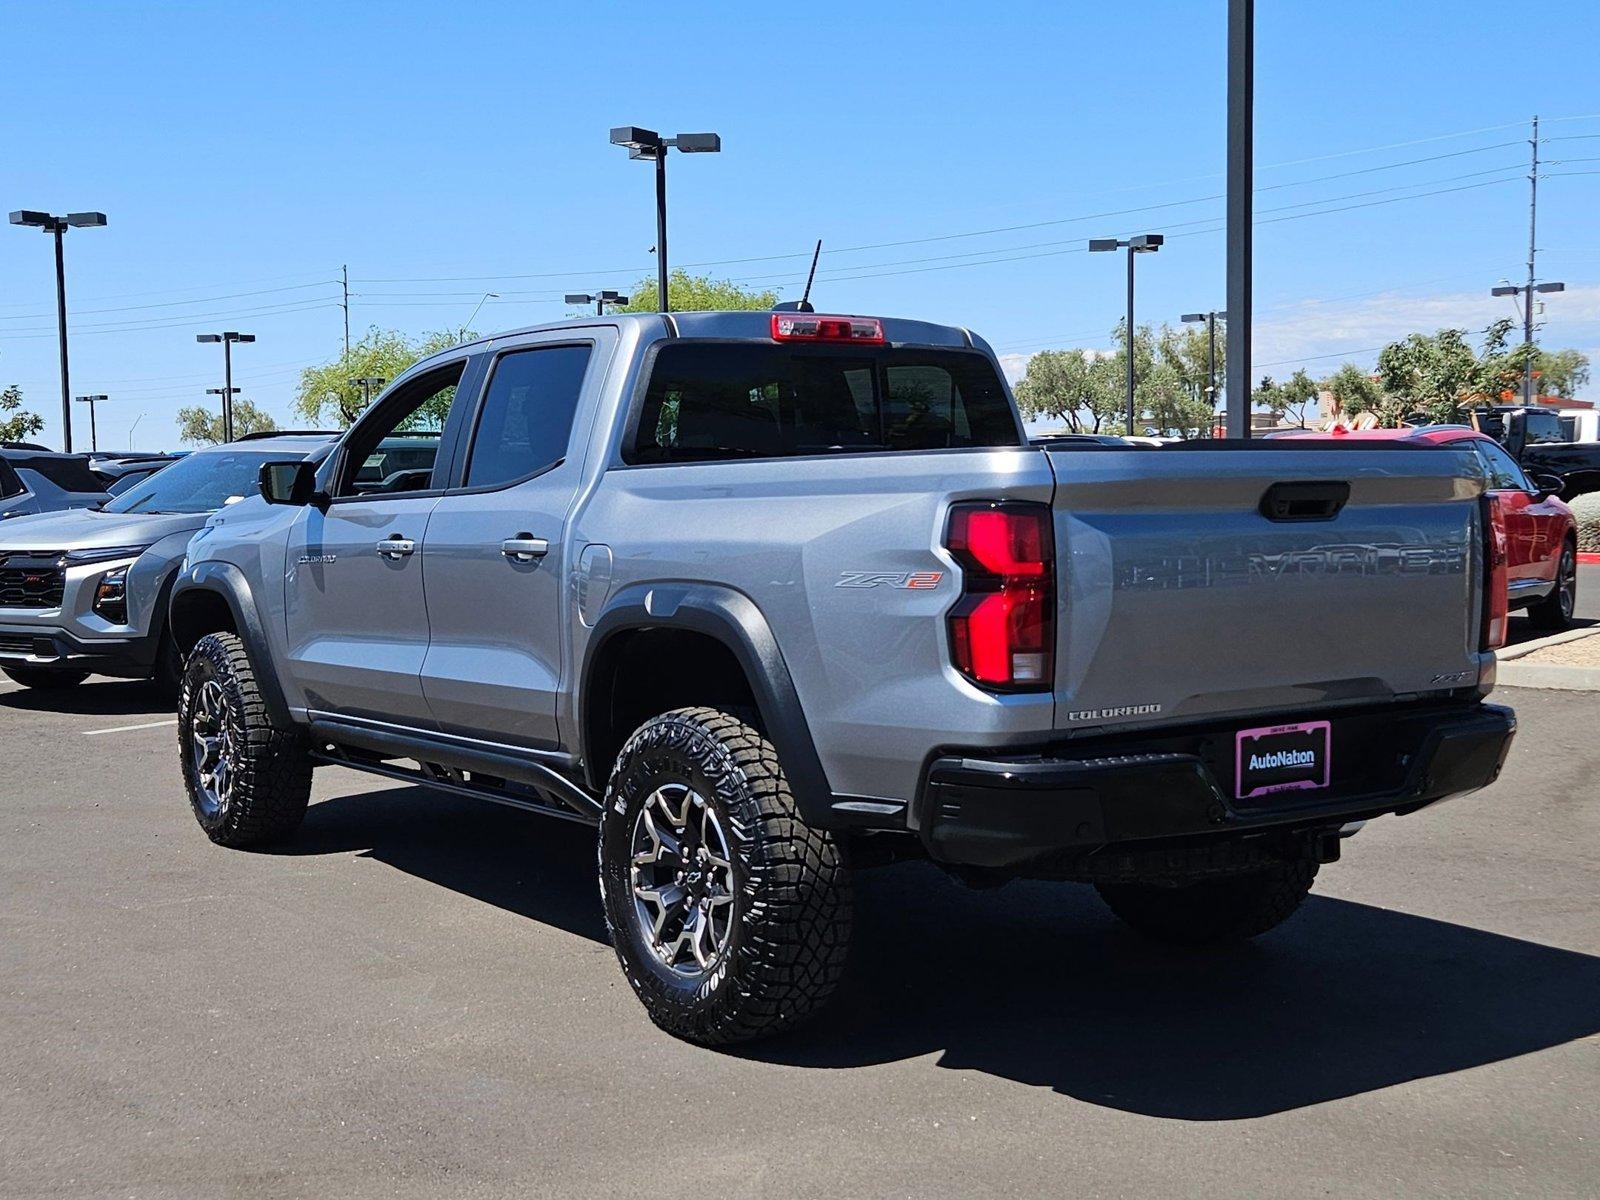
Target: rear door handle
[[524, 548], [396, 547]]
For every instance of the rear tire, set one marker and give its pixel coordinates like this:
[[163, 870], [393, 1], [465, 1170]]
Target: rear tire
[[248, 781], [729, 914], [1212, 911], [42, 679], [1556, 611]]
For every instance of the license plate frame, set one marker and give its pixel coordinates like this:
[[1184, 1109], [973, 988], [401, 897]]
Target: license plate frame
[[1259, 769]]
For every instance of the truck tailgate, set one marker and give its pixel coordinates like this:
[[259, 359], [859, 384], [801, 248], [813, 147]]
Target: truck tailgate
[[1180, 599]]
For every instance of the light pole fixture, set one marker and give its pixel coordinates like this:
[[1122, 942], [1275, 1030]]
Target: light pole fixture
[[1210, 318], [1527, 291], [58, 226], [1143, 243], [228, 390], [598, 299], [369, 384], [648, 144], [91, 401]]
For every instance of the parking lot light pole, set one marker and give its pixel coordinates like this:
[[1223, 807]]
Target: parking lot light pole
[[1527, 292], [94, 435], [369, 384], [648, 144], [598, 299], [58, 226], [228, 390], [1210, 318], [1143, 243]]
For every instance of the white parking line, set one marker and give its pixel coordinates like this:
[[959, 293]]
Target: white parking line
[[129, 728]]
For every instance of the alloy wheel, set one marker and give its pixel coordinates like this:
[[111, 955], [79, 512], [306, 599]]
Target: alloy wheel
[[682, 876], [212, 748]]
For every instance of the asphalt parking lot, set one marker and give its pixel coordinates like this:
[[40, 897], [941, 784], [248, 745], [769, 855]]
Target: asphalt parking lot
[[416, 999]]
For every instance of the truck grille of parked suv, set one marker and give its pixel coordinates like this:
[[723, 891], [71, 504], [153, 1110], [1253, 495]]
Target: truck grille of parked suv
[[32, 579]]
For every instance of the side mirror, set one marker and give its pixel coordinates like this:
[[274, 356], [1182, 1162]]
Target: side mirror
[[288, 482], [1549, 485]]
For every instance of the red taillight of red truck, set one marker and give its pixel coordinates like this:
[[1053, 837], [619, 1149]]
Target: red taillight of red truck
[[1002, 630], [1495, 575]]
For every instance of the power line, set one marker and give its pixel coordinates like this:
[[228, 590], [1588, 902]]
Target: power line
[[178, 303]]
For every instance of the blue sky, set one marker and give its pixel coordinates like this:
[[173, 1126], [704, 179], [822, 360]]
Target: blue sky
[[442, 151]]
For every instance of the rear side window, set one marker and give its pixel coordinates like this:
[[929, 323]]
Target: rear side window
[[10, 482], [526, 420], [709, 401], [68, 474]]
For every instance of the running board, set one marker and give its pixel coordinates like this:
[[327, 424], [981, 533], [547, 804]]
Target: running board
[[504, 778]]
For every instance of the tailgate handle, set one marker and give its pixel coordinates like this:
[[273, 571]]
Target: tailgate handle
[[1304, 500]]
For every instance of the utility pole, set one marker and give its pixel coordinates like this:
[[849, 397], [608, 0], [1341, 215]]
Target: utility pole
[[344, 278], [1533, 251], [1527, 290], [1240, 209]]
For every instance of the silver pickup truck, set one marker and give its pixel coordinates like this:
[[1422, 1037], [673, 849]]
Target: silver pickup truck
[[772, 597]]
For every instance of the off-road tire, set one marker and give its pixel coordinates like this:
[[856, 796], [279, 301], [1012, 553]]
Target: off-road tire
[[1557, 610], [1227, 909], [272, 774], [42, 679], [790, 931]]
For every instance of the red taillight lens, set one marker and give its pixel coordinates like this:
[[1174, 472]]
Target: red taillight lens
[[1002, 630], [809, 327], [1495, 575]]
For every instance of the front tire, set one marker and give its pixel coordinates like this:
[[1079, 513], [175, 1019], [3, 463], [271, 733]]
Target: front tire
[[42, 680], [729, 914], [1557, 610], [1213, 911], [248, 781]]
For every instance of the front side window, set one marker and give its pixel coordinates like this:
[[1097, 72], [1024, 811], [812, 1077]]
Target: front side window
[[710, 401], [392, 451], [526, 419], [1502, 470]]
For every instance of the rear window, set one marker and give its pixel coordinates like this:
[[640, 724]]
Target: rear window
[[1543, 428], [714, 401]]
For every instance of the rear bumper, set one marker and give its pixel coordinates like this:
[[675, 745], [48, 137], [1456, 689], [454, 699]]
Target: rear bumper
[[1127, 793]]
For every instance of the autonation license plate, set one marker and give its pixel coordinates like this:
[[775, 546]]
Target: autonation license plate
[[1282, 758]]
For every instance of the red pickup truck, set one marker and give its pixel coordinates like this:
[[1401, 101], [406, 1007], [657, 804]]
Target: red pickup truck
[[1540, 531]]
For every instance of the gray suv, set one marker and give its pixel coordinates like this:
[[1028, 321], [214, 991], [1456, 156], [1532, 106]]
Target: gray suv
[[85, 591], [771, 598]]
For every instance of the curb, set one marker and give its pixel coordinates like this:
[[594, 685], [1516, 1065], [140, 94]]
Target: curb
[[1589, 558], [1511, 673]]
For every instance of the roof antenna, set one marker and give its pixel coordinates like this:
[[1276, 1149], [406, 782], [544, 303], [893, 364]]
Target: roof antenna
[[804, 303]]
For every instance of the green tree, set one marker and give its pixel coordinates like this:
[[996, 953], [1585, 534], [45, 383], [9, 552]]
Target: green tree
[[1355, 392], [698, 293], [202, 426], [16, 423], [1088, 389], [329, 393], [1434, 375], [1292, 402], [1561, 372], [1080, 387]]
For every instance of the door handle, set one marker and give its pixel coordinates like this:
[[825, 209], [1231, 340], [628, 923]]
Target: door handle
[[396, 547], [524, 548]]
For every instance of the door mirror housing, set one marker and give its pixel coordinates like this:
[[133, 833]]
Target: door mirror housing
[[293, 483], [1548, 485]]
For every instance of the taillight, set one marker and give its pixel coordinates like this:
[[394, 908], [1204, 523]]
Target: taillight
[[1002, 630], [809, 327], [1495, 575]]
